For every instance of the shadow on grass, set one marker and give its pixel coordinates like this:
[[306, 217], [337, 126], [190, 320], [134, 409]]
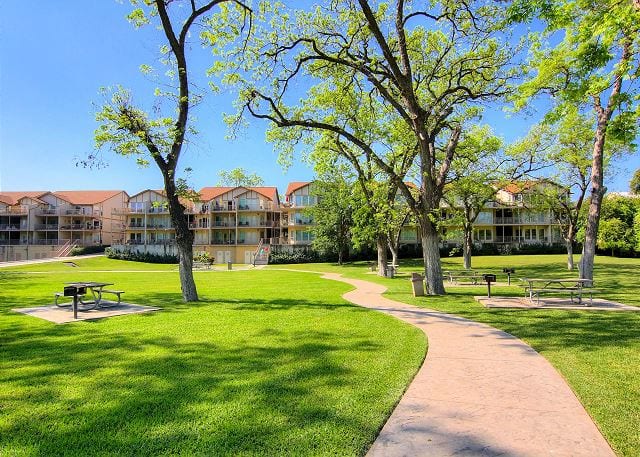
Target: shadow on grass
[[128, 393]]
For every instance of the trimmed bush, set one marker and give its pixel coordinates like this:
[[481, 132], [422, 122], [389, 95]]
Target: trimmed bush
[[140, 256], [83, 250]]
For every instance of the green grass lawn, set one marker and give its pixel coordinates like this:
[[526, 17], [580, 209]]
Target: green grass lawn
[[268, 363], [598, 353]]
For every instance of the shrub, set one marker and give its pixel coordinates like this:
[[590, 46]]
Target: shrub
[[135, 256], [83, 250]]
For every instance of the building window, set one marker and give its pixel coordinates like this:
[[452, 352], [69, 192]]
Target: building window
[[484, 235], [305, 200]]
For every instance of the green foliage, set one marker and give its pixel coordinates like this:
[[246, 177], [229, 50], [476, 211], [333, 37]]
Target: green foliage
[[83, 250], [295, 256], [634, 184], [332, 216], [615, 235], [203, 257], [239, 177], [135, 256]]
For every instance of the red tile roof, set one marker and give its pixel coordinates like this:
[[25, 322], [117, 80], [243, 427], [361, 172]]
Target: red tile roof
[[86, 197], [269, 192], [12, 198], [293, 186], [209, 193]]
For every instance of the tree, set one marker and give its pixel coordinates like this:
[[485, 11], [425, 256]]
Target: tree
[[239, 177], [615, 235], [332, 215], [634, 184], [592, 67], [429, 69], [564, 145], [475, 172], [128, 130]]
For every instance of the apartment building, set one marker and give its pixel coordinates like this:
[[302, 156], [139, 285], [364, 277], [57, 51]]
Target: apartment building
[[36, 225], [232, 224], [513, 218], [296, 222], [229, 223]]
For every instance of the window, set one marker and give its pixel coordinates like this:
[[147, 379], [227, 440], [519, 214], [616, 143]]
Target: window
[[304, 235], [136, 207], [305, 200], [483, 235], [301, 218]]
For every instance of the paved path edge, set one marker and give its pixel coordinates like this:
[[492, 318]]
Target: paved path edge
[[479, 392]]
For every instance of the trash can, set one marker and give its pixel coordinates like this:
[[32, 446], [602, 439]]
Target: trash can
[[228, 265], [417, 284]]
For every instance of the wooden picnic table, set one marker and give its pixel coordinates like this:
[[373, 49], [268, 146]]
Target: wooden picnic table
[[534, 287]]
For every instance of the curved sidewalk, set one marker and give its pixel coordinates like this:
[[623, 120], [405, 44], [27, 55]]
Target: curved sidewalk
[[480, 392]]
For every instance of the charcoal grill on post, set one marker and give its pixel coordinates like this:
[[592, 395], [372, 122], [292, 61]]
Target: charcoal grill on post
[[74, 291], [509, 272], [489, 279]]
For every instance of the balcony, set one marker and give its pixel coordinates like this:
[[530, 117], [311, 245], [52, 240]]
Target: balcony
[[523, 220], [79, 212], [47, 212], [196, 226], [224, 207], [10, 242], [45, 242], [14, 211], [128, 211], [300, 222], [46, 227], [12, 227], [223, 242], [78, 227]]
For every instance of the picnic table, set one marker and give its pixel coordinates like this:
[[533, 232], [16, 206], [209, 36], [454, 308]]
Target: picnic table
[[96, 289], [534, 287], [463, 276]]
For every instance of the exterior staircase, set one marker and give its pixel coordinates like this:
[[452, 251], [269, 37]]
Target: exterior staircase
[[262, 254], [65, 249]]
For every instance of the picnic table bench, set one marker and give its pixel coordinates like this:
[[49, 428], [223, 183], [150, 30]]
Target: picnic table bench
[[575, 288], [463, 277]]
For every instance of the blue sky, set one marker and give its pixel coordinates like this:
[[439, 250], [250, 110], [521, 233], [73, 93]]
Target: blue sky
[[54, 57]]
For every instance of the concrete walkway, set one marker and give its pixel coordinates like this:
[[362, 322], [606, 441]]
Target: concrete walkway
[[480, 392]]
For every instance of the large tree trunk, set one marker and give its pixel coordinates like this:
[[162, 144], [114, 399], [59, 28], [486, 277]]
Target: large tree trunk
[[431, 257], [467, 245], [597, 193], [570, 264], [184, 242], [381, 245]]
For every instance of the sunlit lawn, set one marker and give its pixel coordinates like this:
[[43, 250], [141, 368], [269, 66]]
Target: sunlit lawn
[[268, 363], [597, 352]]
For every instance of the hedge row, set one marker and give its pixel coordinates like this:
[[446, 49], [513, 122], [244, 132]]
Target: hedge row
[[140, 256]]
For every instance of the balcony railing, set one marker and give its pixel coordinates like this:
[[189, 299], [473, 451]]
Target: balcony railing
[[14, 211], [78, 227], [46, 227], [516, 239], [79, 212], [51, 242], [12, 227], [12, 242], [523, 220], [47, 211], [231, 207]]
